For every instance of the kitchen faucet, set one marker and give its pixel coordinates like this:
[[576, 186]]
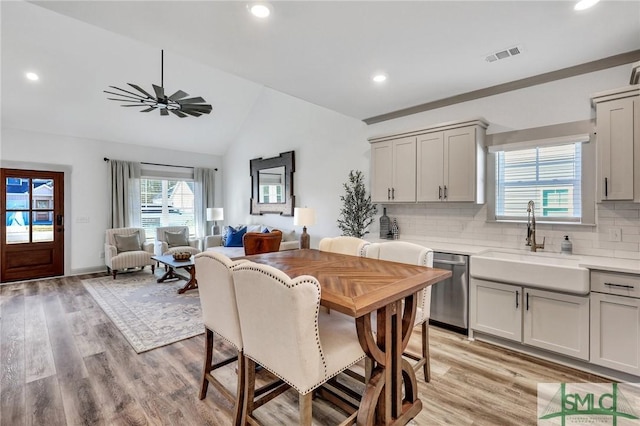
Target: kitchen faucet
[[531, 228]]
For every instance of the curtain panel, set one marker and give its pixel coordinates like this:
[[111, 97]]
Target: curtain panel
[[124, 189], [204, 188]]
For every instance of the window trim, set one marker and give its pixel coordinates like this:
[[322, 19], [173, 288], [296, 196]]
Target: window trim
[[546, 136]]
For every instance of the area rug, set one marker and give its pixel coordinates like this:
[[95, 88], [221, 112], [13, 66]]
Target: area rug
[[149, 314]]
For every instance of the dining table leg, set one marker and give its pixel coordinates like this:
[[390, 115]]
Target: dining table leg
[[383, 401]]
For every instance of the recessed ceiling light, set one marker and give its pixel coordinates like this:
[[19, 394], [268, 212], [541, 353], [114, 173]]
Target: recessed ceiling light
[[260, 10], [32, 76], [379, 78], [585, 4]]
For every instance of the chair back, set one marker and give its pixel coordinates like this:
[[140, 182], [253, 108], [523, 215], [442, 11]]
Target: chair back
[[279, 323], [261, 242], [404, 252], [344, 245], [110, 239], [218, 296]]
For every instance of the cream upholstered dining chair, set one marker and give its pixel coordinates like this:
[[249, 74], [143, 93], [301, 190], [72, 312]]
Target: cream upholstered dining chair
[[343, 245], [284, 331], [404, 252], [175, 239], [126, 248], [220, 316]]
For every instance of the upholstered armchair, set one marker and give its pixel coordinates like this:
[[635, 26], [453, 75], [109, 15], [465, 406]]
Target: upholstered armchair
[[126, 248], [344, 245], [261, 242], [284, 331], [175, 239]]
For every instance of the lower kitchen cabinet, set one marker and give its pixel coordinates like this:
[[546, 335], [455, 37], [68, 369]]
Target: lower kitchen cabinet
[[496, 309], [552, 321], [556, 322], [615, 332]]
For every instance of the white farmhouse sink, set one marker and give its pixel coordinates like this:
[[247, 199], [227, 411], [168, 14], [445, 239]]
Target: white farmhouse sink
[[550, 271]]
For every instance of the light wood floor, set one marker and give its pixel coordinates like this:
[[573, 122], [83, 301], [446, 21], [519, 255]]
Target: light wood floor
[[62, 362]]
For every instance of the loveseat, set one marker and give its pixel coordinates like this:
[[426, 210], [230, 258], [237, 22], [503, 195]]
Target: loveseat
[[290, 240]]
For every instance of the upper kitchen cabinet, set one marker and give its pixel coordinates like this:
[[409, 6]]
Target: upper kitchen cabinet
[[618, 139], [451, 164], [439, 163], [393, 170]]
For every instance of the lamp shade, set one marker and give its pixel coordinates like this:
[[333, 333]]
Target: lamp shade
[[304, 216], [215, 213]]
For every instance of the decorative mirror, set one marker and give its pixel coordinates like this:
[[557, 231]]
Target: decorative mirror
[[272, 184]]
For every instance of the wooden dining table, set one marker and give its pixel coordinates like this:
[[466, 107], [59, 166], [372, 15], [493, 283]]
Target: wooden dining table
[[358, 287]]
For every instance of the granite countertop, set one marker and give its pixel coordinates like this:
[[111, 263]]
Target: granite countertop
[[612, 264]]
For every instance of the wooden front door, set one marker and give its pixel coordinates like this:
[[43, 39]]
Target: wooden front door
[[32, 224]]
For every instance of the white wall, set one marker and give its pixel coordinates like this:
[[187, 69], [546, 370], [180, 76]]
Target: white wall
[[87, 186], [327, 146], [561, 101]]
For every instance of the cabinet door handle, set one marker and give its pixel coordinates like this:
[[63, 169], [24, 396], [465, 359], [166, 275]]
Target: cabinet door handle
[[393, 193], [606, 190], [630, 287], [445, 192], [517, 299], [527, 301], [439, 193], [388, 193]]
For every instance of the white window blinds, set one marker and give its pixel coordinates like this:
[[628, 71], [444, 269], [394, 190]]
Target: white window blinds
[[551, 176]]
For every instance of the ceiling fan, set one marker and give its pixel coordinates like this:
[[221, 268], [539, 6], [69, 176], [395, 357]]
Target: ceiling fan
[[178, 103]]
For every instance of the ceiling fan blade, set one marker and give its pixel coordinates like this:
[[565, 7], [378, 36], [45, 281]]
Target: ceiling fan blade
[[148, 109], [178, 113], [137, 95], [192, 113], [163, 111], [196, 100], [159, 91], [205, 109], [138, 105], [178, 95], [140, 89], [138, 98]]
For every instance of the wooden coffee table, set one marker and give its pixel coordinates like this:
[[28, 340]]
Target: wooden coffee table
[[172, 264]]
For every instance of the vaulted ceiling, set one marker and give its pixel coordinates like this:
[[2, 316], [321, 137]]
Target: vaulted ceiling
[[323, 52]]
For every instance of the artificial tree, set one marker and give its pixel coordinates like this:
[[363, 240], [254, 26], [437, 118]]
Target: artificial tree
[[357, 211]]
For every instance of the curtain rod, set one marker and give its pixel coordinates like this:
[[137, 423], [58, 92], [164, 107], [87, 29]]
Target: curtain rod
[[164, 165]]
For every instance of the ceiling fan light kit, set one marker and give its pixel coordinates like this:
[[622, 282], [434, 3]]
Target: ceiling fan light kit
[[177, 104]]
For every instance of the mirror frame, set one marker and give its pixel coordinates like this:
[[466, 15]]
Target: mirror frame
[[285, 159]]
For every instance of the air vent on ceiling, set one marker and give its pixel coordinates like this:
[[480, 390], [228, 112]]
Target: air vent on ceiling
[[503, 54]]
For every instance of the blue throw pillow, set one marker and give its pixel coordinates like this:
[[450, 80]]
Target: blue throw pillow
[[234, 237], [266, 231]]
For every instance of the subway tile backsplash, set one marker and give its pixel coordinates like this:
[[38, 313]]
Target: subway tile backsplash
[[466, 224]]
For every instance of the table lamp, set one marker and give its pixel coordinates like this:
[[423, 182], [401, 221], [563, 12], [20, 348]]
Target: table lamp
[[214, 214], [303, 217]]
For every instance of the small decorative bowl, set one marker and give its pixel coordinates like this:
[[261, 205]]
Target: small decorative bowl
[[182, 256]]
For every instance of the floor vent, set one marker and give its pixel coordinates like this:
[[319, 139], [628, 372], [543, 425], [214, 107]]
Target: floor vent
[[503, 54]]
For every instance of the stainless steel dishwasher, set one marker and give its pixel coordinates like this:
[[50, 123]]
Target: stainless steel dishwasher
[[450, 298]]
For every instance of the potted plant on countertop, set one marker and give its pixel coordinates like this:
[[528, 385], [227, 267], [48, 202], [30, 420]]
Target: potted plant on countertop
[[357, 211]]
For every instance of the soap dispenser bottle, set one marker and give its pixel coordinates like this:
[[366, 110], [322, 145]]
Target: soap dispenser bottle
[[566, 247]]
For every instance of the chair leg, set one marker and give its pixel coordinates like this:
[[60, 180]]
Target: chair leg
[[208, 362], [240, 391], [114, 272], [304, 403], [249, 389], [153, 269], [425, 351]]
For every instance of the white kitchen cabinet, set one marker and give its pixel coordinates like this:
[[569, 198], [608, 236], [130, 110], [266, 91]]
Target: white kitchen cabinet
[[451, 165], [618, 139], [615, 321], [548, 320], [445, 162], [393, 170], [496, 309], [556, 322]]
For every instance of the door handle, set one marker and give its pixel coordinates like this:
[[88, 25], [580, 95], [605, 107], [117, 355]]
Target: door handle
[[630, 287], [439, 193], [445, 192], [393, 193], [517, 299], [606, 191], [59, 220], [527, 301], [388, 193]]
